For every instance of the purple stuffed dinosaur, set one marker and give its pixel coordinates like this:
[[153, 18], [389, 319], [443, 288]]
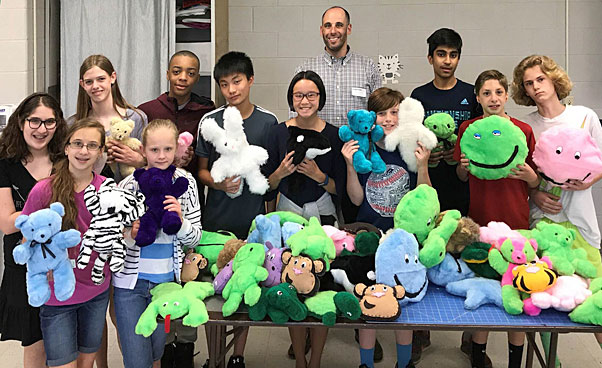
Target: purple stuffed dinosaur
[[272, 263], [155, 184]]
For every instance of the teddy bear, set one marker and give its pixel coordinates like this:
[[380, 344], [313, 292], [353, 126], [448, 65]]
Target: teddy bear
[[227, 254], [466, 233], [590, 311], [443, 125], [248, 272], [363, 129], [112, 209], [409, 131], [555, 242], [45, 249], [155, 184], [267, 229], [237, 156], [172, 301], [120, 132]]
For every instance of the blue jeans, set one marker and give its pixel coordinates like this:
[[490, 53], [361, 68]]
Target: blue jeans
[[72, 329], [138, 351]]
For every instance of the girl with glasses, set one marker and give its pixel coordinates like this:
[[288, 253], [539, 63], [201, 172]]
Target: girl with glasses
[[29, 146], [72, 329], [319, 181]]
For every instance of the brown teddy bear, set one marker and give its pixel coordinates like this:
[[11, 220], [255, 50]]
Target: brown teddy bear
[[466, 233]]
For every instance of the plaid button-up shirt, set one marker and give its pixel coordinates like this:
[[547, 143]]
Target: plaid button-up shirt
[[349, 81]]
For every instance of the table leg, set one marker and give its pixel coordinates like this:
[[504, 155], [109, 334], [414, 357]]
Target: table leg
[[220, 346], [553, 347], [530, 342], [211, 343]]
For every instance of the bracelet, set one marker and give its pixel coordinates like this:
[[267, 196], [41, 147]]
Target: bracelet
[[325, 182]]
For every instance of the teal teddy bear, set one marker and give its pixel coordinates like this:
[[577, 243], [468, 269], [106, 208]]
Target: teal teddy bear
[[45, 249], [363, 128], [247, 274], [443, 125]]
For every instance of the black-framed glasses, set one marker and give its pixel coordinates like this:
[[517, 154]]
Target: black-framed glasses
[[35, 123], [311, 96], [78, 145]]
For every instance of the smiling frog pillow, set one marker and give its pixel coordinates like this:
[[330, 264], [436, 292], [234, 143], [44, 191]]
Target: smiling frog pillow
[[494, 146]]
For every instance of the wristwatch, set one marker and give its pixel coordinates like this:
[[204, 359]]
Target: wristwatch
[[325, 182]]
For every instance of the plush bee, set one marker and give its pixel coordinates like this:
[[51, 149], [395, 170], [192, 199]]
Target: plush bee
[[533, 277]]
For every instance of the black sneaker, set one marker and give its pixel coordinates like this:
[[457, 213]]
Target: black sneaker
[[410, 365], [378, 349], [236, 362], [420, 341], [466, 348]]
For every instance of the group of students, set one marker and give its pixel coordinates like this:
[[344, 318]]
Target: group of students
[[45, 158]]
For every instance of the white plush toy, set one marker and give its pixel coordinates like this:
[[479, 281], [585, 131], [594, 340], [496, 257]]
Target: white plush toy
[[237, 156], [566, 294], [409, 131]]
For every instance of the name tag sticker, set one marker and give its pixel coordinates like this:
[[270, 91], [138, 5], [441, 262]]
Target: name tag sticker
[[358, 92]]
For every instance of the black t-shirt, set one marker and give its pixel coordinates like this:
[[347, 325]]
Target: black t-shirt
[[15, 176], [460, 102], [221, 211], [331, 163]]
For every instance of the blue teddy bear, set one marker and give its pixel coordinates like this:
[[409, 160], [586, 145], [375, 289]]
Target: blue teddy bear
[[45, 249], [363, 129], [267, 230]]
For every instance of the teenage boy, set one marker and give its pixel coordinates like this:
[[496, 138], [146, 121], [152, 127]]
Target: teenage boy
[[234, 74], [491, 88], [445, 93], [182, 106], [185, 109]]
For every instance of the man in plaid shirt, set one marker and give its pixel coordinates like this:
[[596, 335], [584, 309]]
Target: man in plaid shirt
[[349, 78]]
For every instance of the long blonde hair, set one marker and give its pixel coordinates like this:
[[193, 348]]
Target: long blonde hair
[[62, 180], [561, 80], [84, 104]]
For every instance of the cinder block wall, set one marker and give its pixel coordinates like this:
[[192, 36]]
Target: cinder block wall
[[280, 34]]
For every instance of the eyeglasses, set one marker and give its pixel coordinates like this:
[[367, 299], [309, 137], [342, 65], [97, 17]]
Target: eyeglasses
[[311, 96], [35, 123], [78, 145]]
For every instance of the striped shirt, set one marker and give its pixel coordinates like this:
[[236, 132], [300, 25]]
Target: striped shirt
[[188, 236], [349, 81], [156, 260]]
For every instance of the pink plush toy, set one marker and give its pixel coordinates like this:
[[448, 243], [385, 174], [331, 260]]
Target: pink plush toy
[[564, 153], [184, 141], [565, 295], [342, 240], [495, 231]]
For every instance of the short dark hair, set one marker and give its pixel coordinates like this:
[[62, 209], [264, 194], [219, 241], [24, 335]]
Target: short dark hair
[[488, 75], [311, 76], [444, 37], [347, 16], [383, 99], [233, 62], [185, 53]]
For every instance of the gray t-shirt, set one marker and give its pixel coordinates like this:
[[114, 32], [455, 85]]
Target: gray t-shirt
[[221, 211]]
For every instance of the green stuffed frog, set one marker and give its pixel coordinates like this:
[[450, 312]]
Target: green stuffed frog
[[171, 301], [247, 274]]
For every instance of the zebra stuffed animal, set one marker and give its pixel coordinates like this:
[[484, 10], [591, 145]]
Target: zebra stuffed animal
[[112, 209]]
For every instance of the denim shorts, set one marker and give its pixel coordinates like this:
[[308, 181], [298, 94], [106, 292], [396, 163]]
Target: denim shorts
[[72, 329], [138, 351]]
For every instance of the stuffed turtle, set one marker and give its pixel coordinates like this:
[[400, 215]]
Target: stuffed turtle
[[281, 303], [329, 304], [476, 256], [171, 301]]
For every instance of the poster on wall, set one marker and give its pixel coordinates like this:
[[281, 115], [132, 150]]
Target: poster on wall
[[5, 113]]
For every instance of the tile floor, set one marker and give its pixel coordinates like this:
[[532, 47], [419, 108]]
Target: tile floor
[[266, 347]]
